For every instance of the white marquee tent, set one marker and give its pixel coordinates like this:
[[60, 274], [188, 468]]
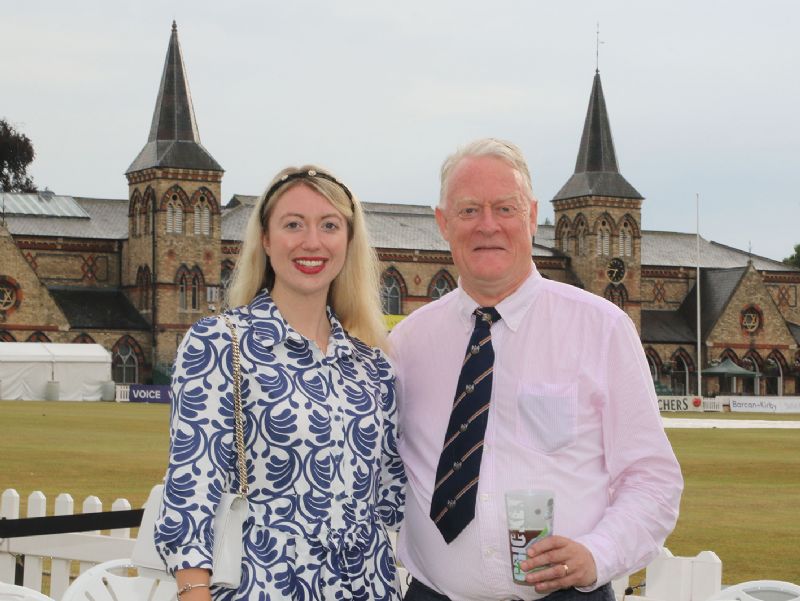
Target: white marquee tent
[[50, 371]]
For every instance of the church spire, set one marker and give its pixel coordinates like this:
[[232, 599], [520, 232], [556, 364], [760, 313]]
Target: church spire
[[596, 170], [174, 140]]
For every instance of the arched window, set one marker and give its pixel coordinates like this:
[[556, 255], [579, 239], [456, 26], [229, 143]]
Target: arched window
[[625, 240], [38, 337], [562, 234], [178, 219], [682, 370], [183, 285], [604, 239], [195, 292], [391, 293], [775, 369], [654, 362], [441, 284], [83, 338], [752, 361], [146, 215], [6, 336], [126, 359], [170, 218], [202, 218], [580, 237], [617, 294]]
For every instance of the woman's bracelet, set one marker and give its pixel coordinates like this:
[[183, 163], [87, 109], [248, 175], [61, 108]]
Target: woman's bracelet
[[189, 586]]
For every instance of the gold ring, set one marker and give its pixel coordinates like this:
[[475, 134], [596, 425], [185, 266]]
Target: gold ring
[[566, 570]]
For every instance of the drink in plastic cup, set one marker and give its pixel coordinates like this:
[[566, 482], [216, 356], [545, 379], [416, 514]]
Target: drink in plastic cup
[[529, 514]]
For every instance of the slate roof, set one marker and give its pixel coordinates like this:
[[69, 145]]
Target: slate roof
[[596, 170], [795, 330], [174, 139], [93, 308], [666, 327], [107, 220], [716, 288]]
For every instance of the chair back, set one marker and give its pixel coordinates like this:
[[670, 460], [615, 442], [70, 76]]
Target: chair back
[[118, 580]]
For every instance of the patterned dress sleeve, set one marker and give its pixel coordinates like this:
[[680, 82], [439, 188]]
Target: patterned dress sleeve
[[392, 484], [201, 437]]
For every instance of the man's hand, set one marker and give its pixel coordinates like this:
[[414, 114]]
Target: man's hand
[[570, 564]]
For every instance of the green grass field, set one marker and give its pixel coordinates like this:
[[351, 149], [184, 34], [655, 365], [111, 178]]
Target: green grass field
[[741, 496]]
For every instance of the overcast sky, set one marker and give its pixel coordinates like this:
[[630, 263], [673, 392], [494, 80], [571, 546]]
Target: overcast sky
[[703, 95]]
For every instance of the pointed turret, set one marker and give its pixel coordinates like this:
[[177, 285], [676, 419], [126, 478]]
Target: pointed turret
[[174, 140], [596, 170]]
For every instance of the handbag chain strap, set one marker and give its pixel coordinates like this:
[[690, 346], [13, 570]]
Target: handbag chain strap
[[237, 408]]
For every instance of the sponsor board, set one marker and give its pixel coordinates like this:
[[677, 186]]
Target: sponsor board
[[762, 404], [142, 393], [680, 403]]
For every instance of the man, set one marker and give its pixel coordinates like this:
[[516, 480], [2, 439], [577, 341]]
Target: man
[[569, 407]]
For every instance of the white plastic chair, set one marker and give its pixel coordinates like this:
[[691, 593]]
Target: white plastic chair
[[12, 592], [111, 581], [759, 590]]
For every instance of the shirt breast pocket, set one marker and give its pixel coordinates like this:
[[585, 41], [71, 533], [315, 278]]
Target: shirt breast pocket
[[547, 415]]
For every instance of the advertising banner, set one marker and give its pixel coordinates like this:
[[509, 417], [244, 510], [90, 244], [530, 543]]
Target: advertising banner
[[680, 403], [144, 393], [763, 404]]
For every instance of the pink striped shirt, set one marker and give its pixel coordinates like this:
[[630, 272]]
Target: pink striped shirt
[[573, 410]]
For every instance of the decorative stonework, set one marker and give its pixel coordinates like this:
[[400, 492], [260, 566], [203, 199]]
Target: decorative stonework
[[751, 319], [10, 296]]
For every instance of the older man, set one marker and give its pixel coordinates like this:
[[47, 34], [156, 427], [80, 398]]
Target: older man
[[553, 392]]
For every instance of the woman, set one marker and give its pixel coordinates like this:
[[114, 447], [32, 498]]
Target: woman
[[324, 475]]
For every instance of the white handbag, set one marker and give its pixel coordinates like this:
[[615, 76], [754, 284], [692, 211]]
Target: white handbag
[[230, 515]]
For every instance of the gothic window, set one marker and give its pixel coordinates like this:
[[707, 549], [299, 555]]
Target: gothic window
[[38, 337], [125, 359], [654, 363], [143, 286], [391, 293], [202, 218], [6, 336], [625, 240], [146, 216], [441, 284], [195, 292], [562, 235], [775, 368], [682, 371], [182, 286], [580, 239], [83, 338], [752, 361], [617, 294], [178, 219], [604, 239], [170, 218]]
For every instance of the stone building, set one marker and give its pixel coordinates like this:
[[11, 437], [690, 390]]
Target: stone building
[[132, 274]]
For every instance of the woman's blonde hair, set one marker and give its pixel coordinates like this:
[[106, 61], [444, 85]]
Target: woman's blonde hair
[[354, 294]]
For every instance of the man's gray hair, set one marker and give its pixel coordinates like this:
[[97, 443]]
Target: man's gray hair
[[492, 147]]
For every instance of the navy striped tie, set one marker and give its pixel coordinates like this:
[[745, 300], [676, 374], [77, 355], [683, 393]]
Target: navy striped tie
[[453, 503]]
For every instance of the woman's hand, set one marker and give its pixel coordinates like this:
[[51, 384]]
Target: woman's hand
[[194, 577]]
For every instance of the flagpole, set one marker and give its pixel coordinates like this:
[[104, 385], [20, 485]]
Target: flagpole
[[697, 287]]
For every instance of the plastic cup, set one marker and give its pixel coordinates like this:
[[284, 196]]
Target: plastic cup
[[529, 514]]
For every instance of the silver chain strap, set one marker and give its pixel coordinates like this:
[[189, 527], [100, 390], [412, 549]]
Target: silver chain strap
[[237, 409]]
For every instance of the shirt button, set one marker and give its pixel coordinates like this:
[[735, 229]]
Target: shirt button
[[451, 503], [470, 388], [463, 427]]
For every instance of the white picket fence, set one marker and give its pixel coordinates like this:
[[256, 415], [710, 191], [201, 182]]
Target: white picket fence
[[64, 550]]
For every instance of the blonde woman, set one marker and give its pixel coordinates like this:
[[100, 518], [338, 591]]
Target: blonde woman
[[325, 479]]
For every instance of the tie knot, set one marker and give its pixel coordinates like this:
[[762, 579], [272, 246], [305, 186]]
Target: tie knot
[[486, 316]]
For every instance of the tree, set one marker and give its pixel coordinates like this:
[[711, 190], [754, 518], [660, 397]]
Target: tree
[[16, 153], [795, 258]]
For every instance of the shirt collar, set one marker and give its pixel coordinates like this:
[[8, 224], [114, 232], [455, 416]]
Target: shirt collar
[[270, 328], [512, 308]]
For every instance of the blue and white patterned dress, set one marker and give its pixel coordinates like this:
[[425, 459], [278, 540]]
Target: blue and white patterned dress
[[324, 474]]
